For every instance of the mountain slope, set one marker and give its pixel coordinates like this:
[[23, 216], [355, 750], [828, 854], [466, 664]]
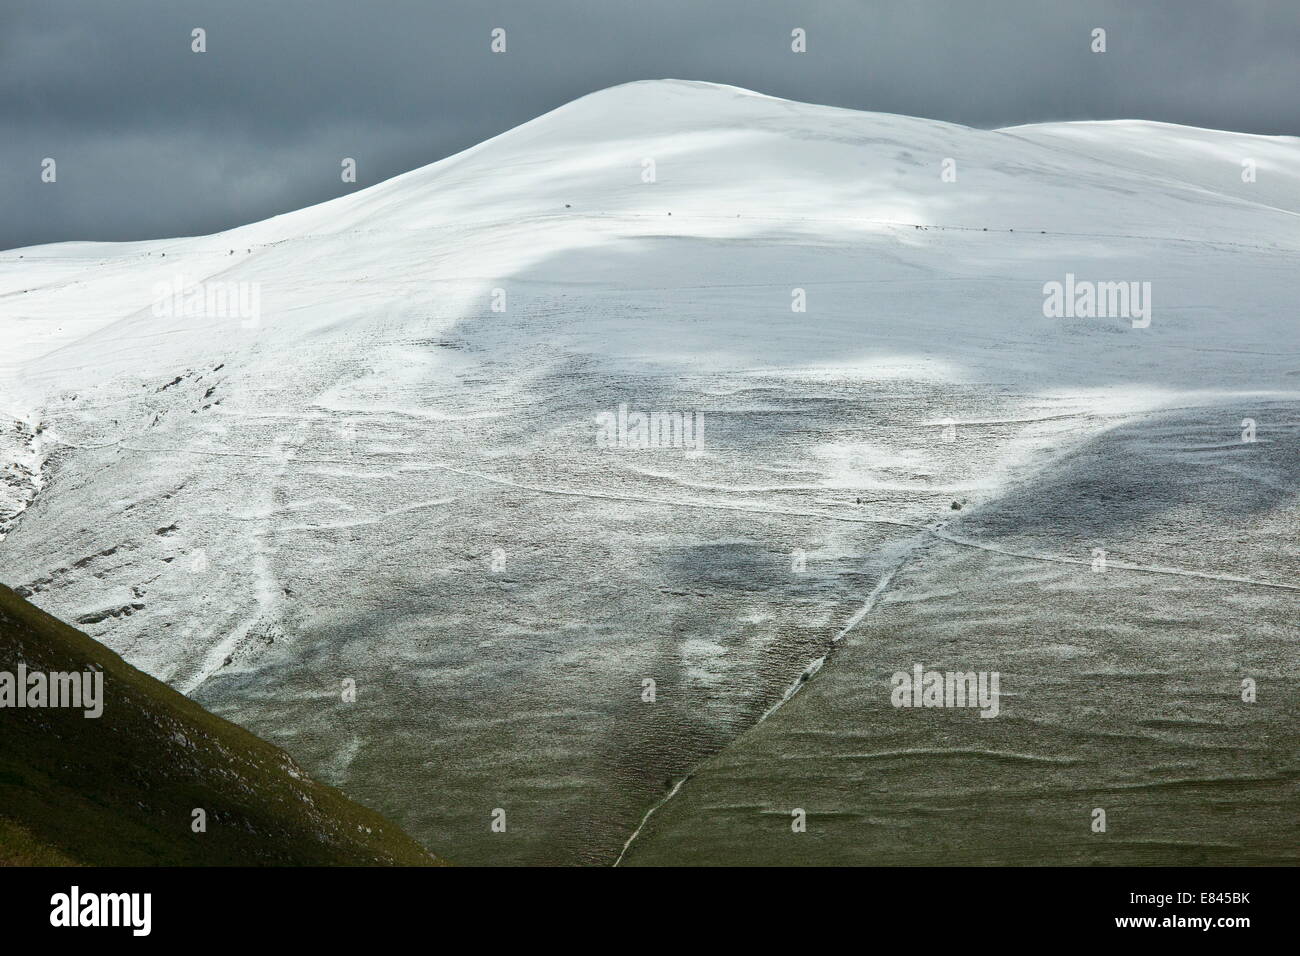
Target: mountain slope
[[121, 789], [1122, 684], [393, 475]]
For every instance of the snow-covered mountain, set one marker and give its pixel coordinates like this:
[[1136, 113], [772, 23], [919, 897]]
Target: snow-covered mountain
[[380, 440]]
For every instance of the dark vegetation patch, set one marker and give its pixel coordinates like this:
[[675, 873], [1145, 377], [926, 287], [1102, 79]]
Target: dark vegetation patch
[[120, 789]]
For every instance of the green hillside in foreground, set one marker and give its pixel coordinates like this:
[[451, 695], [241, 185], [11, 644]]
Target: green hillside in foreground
[[121, 789]]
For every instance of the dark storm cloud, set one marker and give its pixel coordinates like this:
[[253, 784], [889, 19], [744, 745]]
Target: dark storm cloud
[[153, 140]]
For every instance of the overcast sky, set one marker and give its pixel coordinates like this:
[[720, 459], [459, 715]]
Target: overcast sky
[[153, 140]]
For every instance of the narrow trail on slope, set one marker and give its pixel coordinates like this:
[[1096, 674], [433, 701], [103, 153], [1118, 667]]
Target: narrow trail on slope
[[266, 589], [805, 677], [1110, 565]]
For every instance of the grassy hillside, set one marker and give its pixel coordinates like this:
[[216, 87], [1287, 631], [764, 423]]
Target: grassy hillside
[[121, 789]]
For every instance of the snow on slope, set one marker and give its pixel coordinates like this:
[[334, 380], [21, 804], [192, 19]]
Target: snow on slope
[[383, 479]]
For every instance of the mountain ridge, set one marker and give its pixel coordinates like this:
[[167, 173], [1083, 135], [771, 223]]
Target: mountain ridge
[[391, 473]]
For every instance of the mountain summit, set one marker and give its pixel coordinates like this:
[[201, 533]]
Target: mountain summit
[[930, 371]]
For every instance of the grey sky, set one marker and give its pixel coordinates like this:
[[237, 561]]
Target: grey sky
[[153, 140]]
